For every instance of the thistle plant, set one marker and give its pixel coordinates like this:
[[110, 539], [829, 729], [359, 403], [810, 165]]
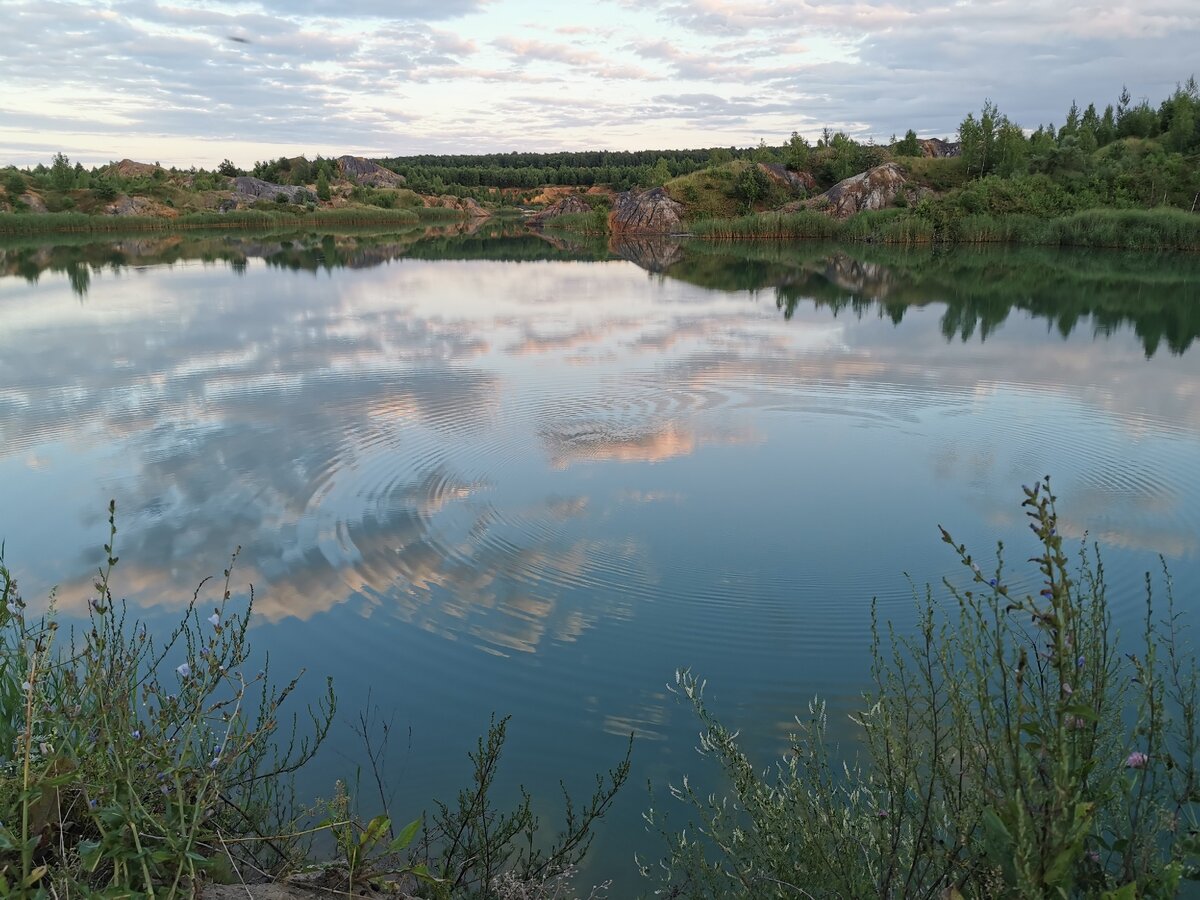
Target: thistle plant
[[1011, 747]]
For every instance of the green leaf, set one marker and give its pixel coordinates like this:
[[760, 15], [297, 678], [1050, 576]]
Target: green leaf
[[996, 830], [1082, 711], [1125, 892], [405, 837], [1060, 866], [89, 854], [375, 830]]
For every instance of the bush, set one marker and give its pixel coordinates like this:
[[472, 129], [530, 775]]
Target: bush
[[1008, 750], [127, 757], [14, 185]]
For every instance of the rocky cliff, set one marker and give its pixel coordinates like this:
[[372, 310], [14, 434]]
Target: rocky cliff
[[364, 172], [801, 183], [564, 207], [936, 147], [247, 189]]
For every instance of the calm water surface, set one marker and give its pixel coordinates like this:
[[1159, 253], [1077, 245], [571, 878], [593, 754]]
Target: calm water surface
[[474, 474]]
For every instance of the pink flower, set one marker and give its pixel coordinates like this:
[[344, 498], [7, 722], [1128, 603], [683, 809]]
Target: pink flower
[[1137, 760]]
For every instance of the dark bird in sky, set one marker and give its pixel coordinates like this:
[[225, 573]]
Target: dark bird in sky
[[240, 40]]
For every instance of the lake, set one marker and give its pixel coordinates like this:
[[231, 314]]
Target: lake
[[498, 472]]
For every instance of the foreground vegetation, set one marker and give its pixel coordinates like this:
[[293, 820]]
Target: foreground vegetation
[[137, 764], [1009, 748]]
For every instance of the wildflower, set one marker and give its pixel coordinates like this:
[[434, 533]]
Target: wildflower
[[881, 814], [1093, 856], [136, 735], [992, 582], [1067, 689], [216, 761], [214, 619], [1046, 592], [26, 686], [92, 804], [1079, 662], [1137, 760], [184, 670]]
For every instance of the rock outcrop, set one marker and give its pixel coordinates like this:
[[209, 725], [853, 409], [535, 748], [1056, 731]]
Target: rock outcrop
[[139, 206], [564, 207], [465, 205], [34, 202], [364, 172], [247, 188], [797, 182], [873, 189], [648, 212], [128, 168], [936, 147]]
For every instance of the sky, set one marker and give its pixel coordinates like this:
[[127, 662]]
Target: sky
[[191, 82]]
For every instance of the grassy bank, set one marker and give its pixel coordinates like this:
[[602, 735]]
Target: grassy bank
[[1155, 229], [74, 222]]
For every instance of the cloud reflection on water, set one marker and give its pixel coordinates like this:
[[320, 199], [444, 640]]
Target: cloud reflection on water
[[368, 435]]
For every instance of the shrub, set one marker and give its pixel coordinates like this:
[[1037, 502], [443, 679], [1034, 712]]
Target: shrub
[[126, 757], [1007, 750], [14, 185]]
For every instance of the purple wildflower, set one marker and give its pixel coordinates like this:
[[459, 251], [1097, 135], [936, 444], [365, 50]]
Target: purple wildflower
[[1137, 760]]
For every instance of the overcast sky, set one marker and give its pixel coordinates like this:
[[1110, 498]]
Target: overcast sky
[[189, 82]]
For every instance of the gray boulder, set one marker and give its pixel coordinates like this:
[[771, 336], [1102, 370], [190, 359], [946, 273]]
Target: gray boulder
[[648, 212], [247, 189], [873, 189]]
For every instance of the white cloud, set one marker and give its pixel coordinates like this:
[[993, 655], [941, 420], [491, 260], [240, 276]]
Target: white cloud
[[402, 76]]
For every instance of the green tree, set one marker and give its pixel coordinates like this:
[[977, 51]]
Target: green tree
[[659, 174], [14, 184], [797, 153], [1012, 149], [228, 169], [751, 186], [978, 139], [323, 186], [910, 146], [62, 176], [764, 154]]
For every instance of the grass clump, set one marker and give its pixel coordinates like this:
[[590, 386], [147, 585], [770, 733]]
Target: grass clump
[[593, 222], [1008, 749]]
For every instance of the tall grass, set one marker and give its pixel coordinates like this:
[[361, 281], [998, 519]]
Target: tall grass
[[49, 223], [594, 222], [1154, 229], [804, 225]]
